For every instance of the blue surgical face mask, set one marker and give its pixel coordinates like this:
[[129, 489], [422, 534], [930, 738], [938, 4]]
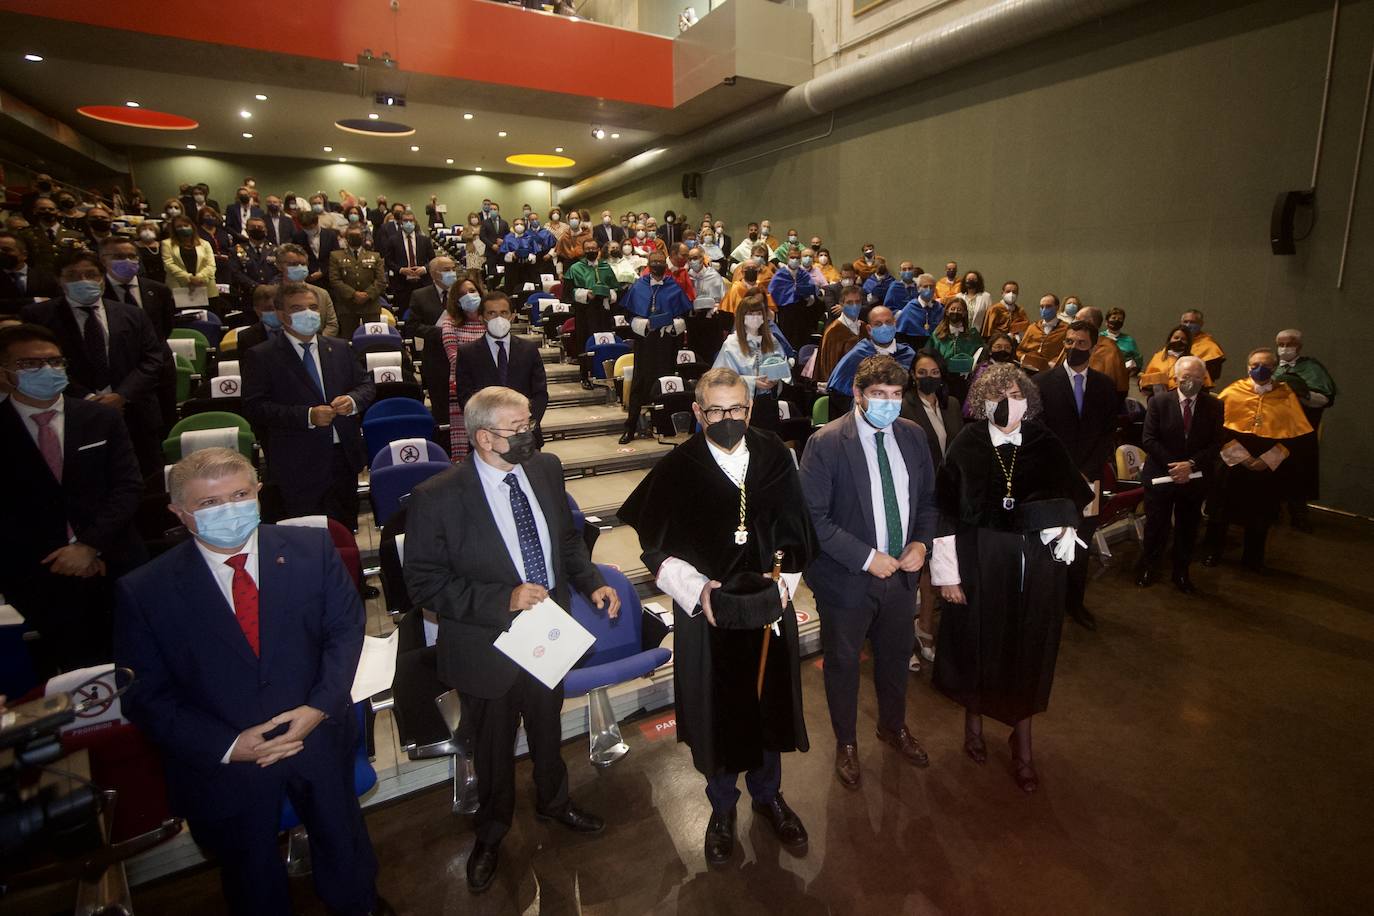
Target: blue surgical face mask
[[84, 292], [926, 293], [1193, 328], [908, 276], [1071, 309], [806, 260], [883, 334], [228, 524], [297, 273], [881, 411], [447, 278], [852, 311], [271, 321], [124, 270], [43, 383], [408, 226], [1261, 373], [305, 322], [470, 302], [1048, 313]]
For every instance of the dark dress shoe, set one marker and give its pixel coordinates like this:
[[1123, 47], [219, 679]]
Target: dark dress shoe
[[847, 765], [784, 822], [481, 866], [976, 749], [627, 438], [1084, 618], [1211, 559], [1185, 585], [370, 592], [1022, 771], [1145, 579], [905, 742], [574, 818], [720, 836]]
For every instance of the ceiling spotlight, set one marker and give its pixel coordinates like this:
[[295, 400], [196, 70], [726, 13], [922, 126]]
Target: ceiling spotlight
[[245, 114], [500, 133], [467, 116], [329, 149], [598, 133], [615, 136], [449, 161], [479, 168], [372, 116], [414, 149], [131, 104], [558, 149], [190, 146], [342, 159], [33, 58], [247, 136], [260, 97], [539, 174]]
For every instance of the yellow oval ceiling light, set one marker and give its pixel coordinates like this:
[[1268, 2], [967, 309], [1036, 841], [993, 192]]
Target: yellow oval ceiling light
[[541, 161]]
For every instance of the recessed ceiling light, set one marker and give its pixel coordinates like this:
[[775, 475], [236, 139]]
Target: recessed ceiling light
[[372, 116], [342, 159], [131, 104], [260, 97], [558, 149], [414, 149], [500, 133], [33, 58], [479, 168], [539, 174], [245, 114], [598, 133], [329, 149], [615, 136], [467, 116], [190, 146], [247, 136], [449, 161]]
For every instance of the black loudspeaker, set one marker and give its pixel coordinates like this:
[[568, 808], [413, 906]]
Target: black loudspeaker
[[1283, 217], [691, 184]]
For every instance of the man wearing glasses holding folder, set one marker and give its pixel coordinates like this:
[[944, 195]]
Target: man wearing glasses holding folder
[[487, 539]]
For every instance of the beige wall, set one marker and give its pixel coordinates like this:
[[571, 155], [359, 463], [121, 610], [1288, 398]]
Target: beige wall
[[160, 172], [1132, 162]]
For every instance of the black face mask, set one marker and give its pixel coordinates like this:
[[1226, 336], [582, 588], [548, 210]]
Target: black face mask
[[1001, 356], [1114, 326], [1002, 414], [1176, 348], [950, 274], [48, 218], [9, 261], [66, 204], [257, 235], [928, 384], [99, 225], [658, 270], [726, 433], [751, 276], [1078, 358], [45, 186], [519, 448]]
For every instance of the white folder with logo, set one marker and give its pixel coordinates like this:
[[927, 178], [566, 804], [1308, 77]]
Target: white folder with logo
[[546, 641]]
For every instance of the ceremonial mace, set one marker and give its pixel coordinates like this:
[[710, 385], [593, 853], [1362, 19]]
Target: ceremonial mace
[[768, 630]]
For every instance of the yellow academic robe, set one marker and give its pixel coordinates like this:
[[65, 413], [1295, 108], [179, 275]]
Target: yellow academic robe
[[1276, 414], [865, 269], [737, 291], [830, 272], [946, 289], [1160, 371], [1039, 350], [1206, 348]]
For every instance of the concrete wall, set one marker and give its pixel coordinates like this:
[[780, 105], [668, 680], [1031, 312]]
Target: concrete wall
[[1132, 162], [160, 172]]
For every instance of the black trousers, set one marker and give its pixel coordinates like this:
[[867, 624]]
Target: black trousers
[[883, 617], [338, 498], [494, 723], [252, 873], [1077, 583], [764, 783], [352, 316], [1169, 505]]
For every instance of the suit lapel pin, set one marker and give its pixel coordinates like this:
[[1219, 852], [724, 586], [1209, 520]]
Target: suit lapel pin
[[281, 561]]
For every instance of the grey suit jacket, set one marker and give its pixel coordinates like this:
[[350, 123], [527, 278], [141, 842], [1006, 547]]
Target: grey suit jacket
[[457, 565], [834, 476]]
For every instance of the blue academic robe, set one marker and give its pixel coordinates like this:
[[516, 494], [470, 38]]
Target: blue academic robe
[[876, 287], [520, 245], [659, 304], [787, 289], [919, 317], [842, 379]]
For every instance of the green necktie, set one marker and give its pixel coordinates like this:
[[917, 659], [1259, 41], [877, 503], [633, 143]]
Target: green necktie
[[890, 511]]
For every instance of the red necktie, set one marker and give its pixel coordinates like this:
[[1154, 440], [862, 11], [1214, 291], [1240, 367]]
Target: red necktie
[[245, 592], [1187, 416], [48, 446], [410, 251]]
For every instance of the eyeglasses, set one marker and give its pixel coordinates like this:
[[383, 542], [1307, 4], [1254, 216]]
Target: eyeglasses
[[716, 414], [52, 362], [519, 430]]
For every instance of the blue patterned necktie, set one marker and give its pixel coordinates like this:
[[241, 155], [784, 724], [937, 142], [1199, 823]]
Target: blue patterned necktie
[[310, 369], [1078, 391], [531, 551]]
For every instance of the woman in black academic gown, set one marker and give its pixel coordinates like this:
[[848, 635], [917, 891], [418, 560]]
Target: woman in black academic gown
[[1009, 502]]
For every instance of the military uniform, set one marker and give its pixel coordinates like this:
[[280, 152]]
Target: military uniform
[[360, 271], [255, 265], [46, 251]]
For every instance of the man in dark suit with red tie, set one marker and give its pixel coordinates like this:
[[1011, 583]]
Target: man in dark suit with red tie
[[305, 393], [244, 642], [1183, 433], [407, 253], [1080, 407], [76, 488], [498, 358]]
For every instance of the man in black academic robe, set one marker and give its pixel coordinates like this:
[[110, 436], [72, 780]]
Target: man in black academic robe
[[687, 512]]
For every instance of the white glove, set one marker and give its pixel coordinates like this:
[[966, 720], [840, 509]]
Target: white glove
[[580, 296], [613, 297], [640, 326], [529, 258], [679, 325], [510, 257], [1066, 542]]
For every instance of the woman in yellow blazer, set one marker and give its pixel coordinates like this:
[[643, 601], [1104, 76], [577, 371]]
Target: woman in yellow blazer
[[189, 259]]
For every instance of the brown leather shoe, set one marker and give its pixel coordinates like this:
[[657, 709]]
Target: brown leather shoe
[[847, 765], [905, 742]]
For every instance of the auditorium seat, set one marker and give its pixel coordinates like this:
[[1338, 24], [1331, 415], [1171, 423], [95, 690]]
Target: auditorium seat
[[395, 418], [408, 451], [206, 430], [364, 778], [387, 486]]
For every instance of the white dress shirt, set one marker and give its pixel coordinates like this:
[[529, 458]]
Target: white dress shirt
[[1072, 372], [491, 345], [901, 483], [679, 579], [223, 574], [57, 424], [937, 421], [319, 368], [498, 499], [117, 285]]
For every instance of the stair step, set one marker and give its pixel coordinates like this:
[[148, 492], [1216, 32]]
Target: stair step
[[570, 420], [567, 393], [596, 455]]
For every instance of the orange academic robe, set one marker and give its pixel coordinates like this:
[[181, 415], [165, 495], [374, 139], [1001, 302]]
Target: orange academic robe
[[1038, 349]]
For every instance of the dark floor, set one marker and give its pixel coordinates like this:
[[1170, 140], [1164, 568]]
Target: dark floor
[[1201, 755]]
